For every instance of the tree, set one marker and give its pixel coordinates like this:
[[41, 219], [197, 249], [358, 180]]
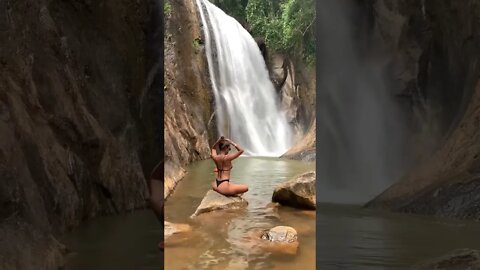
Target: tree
[[286, 25], [234, 8], [298, 18]]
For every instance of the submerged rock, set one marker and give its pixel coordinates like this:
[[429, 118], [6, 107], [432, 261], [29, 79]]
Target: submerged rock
[[280, 239], [280, 234], [456, 260], [277, 240], [176, 234], [215, 201], [173, 228], [298, 192]]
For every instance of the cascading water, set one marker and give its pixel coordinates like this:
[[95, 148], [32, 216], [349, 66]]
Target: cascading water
[[362, 130], [246, 103]]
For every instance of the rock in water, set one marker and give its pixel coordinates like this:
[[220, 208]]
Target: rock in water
[[172, 228], [280, 234], [298, 192], [456, 260], [215, 201], [281, 239]]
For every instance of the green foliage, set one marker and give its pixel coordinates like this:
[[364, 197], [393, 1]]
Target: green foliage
[[167, 9], [264, 18], [196, 43], [234, 8], [286, 25]]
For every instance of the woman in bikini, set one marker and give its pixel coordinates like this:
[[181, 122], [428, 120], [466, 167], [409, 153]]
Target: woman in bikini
[[223, 162]]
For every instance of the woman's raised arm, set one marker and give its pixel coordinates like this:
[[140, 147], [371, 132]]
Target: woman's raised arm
[[214, 147], [236, 154]]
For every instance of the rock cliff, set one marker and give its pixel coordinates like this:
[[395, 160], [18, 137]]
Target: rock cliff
[[436, 64], [79, 125], [188, 101]]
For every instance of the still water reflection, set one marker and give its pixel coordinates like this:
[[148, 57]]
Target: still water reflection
[[351, 237]]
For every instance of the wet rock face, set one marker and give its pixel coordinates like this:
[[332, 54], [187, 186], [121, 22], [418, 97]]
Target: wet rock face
[[78, 122], [25, 242], [435, 47], [298, 192], [456, 200], [296, 87], [305, 149], [448, 184], [214, 201], [295, 84], [188, 113], [456, 260], [262, 46]]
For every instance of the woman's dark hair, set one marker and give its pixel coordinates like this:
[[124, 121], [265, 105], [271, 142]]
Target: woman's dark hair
[[224, 146]]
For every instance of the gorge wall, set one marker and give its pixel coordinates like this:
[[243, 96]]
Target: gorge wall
[[79, 125], [189, 118], [436, 50], [296, 84]]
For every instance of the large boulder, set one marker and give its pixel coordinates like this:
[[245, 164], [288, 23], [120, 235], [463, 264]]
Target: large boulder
[[456, 260], [215, 201], [298, 192]]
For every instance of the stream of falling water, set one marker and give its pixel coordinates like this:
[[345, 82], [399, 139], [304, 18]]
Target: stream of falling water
[[246, 104]]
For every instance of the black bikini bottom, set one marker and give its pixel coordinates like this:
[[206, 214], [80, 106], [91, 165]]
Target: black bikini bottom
[[221, 181]]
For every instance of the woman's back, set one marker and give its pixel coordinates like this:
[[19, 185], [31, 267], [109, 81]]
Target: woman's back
[[224, 166]]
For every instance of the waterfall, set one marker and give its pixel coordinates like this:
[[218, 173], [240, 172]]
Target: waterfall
[[246, 104], [362, 130]]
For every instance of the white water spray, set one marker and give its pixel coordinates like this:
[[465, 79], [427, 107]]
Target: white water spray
[[246, 104]]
